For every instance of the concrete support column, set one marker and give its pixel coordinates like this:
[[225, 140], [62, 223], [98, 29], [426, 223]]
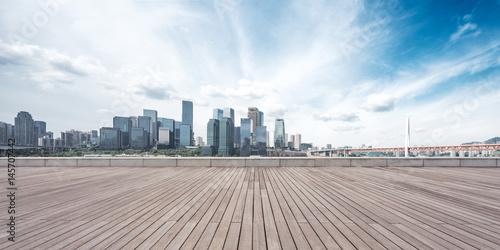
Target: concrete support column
[[452, 154], [461, 153]]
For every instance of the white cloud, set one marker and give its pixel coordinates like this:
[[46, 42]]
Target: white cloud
[[345, 117], [462, 30], [379, 103], [348, 128]]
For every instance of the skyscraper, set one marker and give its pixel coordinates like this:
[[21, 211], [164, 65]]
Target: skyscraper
[[125, 125], [187, 118], [237, 137], [254, 115], [42, 128], [6, 133], [279, 134], [298, 141], [186, 134], [218, 114], [170, 124], [226, 135], [246, 137], [213, 133], [24, 129], [229, 113], [138, 138], [110, 138], [163, 138], [145, 123], [261, 118], [261, 137], [154, 125]]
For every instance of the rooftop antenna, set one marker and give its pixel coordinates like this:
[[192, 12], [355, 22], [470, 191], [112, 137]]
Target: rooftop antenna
[[407, 140]]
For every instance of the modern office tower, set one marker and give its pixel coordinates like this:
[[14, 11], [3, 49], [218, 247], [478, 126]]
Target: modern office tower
[[95, 136], [261, 137], [153, 139], [246, 137], [279, 134], [187, 113], [67, 139], [6, 133], [261, 118], [291, 142], [254, 115], [229, 113], [164, 138], [226, 136], [24, 129], [177, 133], [42, 128], [237, 137], [286, 138], [110, 138], [135, 121], [328, 146], [125, 125], [145, 122], [268, 143], [199, 141], [298, 141], [36, 134], [213, 133], [169, 123], [218, 114], [138, 138], [186, 134]]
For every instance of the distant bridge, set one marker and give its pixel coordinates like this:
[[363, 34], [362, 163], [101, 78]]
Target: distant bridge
[[459, 148]]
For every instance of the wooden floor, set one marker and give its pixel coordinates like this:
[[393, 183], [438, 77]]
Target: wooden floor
[[245, 208]]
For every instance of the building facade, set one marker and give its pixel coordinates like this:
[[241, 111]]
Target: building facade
[[213, 133], [279, 134], [261, 138], [246, 137], [24, 129], [226, 137], [110, 138]]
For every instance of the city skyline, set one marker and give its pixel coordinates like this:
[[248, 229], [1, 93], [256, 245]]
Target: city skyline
[[340, 73]]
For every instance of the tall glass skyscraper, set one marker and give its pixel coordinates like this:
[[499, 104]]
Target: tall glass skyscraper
[[261, 138], [42, 128], [254, 115], [218, 114], [145, 123], [154, 125], [24, 129], [226, 135], [279, 134], [261, 119], [187, 118], [125, 125], [110, 138], [246, 137], [186, 134], [229, 113], [169, 123], [213, 133]]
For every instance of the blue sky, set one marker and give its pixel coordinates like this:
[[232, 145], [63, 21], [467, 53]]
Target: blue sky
[[338, 72]]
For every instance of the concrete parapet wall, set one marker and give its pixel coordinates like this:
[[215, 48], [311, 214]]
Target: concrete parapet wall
[[251, 162]]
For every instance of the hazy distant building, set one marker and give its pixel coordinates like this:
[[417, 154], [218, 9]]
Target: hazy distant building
[[24, 129], [177, 133], [135, 121], [187, 113], [153, 132], [95, 136], [261, 138], [185, 137], [199, 141], [125, 125], [237, 137], [298, 140], [261, 118], [170, 124], [254, 115], [6, 132], [145, 122], [110, 138], [291, 142], [226, 136], [229, 113], [218, 114], [328, 146], [279, 134], [164, 138], [138, 138], [42, 128], [246, 137], [213, 133]]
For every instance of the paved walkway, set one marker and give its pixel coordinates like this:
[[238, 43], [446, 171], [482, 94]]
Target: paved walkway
[[287, 208]]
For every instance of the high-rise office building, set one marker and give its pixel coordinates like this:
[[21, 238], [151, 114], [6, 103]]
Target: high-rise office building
[[24, 129], [95, 136], [164, 137], [298, 141], [6, 133], [135, 121], [261, 137], [213, 133], [237, 137], [153, 139], [246, 137], [145, 122], [177, 133], [218, 114], [279, 134], [291, 142], [138, 138], [187, 118], [254, 115], [199, 141], [170, 124], [186, 134], [229, 113], [286, 138], [110, 138], [261, 118], [125, 125], [226, 136], [42, 128]]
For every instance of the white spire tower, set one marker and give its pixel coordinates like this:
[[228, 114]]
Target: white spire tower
[[407, 139]]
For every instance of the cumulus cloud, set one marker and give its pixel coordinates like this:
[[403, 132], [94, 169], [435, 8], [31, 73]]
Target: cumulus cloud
[[345, 117], [379, 103]]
